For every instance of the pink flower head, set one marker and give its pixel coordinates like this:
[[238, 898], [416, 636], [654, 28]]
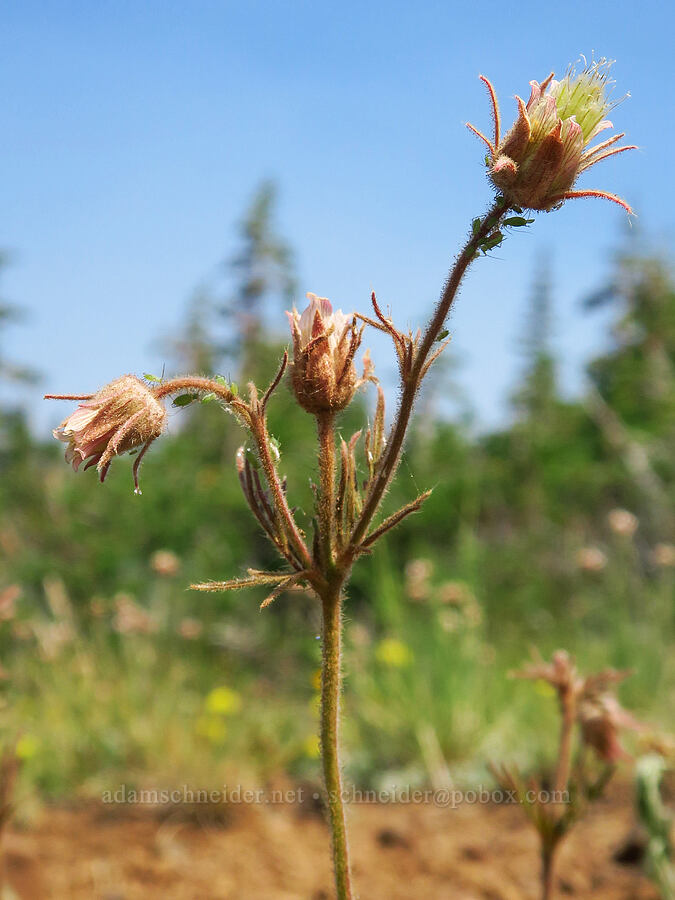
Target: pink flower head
[[538, 161], [324, 344], [602, 718], [121, 416]]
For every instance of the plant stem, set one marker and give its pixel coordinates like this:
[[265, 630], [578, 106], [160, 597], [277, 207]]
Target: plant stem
[[411, 384], [331, 600], [259, 432], [548, 866], [568, 713], [325, 423], [255, 421], [330, 718]]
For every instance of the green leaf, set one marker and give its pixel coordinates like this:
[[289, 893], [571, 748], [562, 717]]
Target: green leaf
[[442, 336], [184, 399], [149, 377]]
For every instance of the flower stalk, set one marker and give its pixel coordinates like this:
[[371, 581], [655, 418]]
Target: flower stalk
[[589, 711], [326, 503], [331, 678], [535, 166]]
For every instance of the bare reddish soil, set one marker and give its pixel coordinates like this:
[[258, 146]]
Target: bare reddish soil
[[280, 853]]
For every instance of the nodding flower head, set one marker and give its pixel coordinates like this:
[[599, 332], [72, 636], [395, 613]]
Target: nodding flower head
[[324, 343], [536, 164], [121, 416], [602, 718]]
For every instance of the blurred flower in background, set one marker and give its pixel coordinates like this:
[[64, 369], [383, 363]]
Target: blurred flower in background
[[591, 559], [130, 618], [393, 653], [622, 522], [190, 629], [664, 555], [8, 598], [223, 701], [417, 575], [165, 563]]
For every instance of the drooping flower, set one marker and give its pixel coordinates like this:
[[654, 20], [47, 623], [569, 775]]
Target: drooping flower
[[537, 163], [121, 416], [324, 344], [602, 718]]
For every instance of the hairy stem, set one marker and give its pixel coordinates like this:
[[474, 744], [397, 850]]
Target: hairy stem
[[411, 383], [330, 719], [259, 432], [548, 855], [326, 508], [257, 425]]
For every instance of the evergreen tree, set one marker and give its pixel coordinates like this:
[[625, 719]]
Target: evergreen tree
[[536, 397], [10, 371], [262, 269]]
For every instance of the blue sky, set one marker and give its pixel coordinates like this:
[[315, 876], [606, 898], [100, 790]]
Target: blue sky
[[135, 133]]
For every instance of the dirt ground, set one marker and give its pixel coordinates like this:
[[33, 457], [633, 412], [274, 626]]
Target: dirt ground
[[275, 852]]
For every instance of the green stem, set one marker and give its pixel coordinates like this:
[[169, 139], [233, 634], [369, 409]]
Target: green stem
[[330, 718]]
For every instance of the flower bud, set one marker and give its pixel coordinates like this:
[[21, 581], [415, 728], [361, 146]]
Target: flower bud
[[324, 343], [121, 416], [536, 164]]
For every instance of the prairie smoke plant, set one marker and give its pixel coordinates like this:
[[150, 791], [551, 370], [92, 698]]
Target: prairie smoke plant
[[589, 710], [538, 161], [535, 166]]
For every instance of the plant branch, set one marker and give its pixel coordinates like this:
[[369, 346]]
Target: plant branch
[[253, 417], [393, 520], [411, 383], [261, 436]]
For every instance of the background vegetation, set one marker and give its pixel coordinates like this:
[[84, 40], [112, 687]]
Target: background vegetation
[[113, 672]]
